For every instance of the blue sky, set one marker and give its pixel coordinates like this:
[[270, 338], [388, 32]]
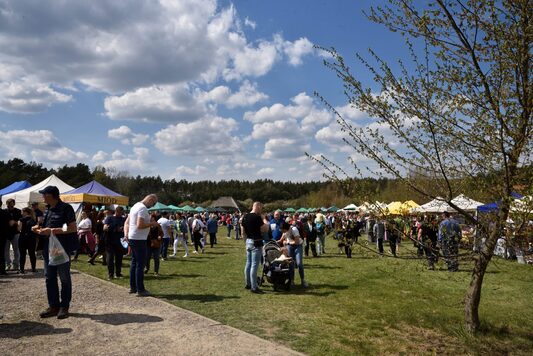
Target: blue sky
[[194, 89]]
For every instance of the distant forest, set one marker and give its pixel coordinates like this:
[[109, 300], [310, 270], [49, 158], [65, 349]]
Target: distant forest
[[275, 194]]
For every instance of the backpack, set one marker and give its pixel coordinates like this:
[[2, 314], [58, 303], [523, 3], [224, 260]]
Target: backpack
[[196, 225]]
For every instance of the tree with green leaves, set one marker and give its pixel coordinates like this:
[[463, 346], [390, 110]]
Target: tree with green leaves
[[458, 109]]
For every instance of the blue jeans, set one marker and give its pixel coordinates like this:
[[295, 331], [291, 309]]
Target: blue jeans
[[138, 257], [253, 259], [52, 288], [295, 251], [164, 247]]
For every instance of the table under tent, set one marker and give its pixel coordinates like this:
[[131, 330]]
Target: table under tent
[[23, 198]]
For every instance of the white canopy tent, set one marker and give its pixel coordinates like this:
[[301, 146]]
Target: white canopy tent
[[437, 205], [465, 203], [351, 207], [523, 206], [25, 197]]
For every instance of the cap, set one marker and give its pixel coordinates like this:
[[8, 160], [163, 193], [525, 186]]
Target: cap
[[50, 190]]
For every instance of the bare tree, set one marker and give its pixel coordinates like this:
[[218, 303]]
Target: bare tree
[[457, 110]]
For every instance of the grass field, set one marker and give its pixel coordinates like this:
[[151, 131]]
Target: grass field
[[366, 305]]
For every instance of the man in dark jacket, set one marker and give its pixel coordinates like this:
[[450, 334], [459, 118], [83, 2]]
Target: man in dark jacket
[[4, 232], [60, 220], [114, 226]]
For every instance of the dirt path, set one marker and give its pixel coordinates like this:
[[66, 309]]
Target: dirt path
[[105, 319]]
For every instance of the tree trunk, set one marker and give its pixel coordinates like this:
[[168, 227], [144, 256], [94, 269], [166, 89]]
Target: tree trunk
[[481, 261]]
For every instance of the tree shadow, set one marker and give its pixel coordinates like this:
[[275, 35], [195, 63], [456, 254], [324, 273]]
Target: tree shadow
[[119, 318], [202, 298], [29, 328]]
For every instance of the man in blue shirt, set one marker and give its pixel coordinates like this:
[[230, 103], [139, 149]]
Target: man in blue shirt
[[449, 237], [275, 226], [212, 229]]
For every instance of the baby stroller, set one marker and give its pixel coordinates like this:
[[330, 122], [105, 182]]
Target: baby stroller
[[276, 272]]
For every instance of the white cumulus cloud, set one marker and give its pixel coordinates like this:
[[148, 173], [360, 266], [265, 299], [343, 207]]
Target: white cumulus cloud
[[26, 97], [38, 145], [210, 134], [126, 136]]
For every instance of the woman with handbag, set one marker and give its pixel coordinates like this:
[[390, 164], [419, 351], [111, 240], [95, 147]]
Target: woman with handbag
[[154, 245]]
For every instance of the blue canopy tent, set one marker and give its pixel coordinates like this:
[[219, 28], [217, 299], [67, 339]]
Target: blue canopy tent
[[15, 187], [495, 206]]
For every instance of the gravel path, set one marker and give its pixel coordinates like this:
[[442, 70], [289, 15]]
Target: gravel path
[[105, 319]]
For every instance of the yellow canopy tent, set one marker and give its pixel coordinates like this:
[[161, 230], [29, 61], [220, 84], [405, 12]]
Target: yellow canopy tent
[[94, 193], [393, 208]]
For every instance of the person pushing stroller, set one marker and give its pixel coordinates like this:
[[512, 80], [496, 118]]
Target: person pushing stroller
[[291, 239]]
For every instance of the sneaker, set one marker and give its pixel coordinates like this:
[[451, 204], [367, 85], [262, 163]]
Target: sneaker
[[22, 271], [109, 278], [304, 284], [202, 250], [156, 274], [145, 271], [119, 276], [195, 252], [132, 291], [63, 313], [247, 287], [50, 312], [257, 291], [143, 293], [174, 255], [186, 255]]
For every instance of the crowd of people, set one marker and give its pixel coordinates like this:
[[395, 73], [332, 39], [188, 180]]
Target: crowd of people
[[147, 237]]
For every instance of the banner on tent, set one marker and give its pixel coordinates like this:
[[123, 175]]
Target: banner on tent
[[95, 199]]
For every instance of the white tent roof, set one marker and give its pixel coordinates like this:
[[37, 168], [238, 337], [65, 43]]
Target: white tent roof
[[465, 203], [523, 206], [350, 207], [24, 197], [437, 205]]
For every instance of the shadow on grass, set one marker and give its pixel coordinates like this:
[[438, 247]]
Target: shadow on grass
[[174, 276], [321, 266], [202, 298], [318, 290], [119, 318], [214, 252], [29, 328]]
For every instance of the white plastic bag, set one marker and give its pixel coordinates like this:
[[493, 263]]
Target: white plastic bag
[[56, 253]]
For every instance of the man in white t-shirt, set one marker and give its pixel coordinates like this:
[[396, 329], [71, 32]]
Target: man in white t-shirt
[[166, 225], [136, 230]]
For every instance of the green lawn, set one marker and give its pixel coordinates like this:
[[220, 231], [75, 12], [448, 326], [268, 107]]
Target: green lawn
[[366, 305]]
